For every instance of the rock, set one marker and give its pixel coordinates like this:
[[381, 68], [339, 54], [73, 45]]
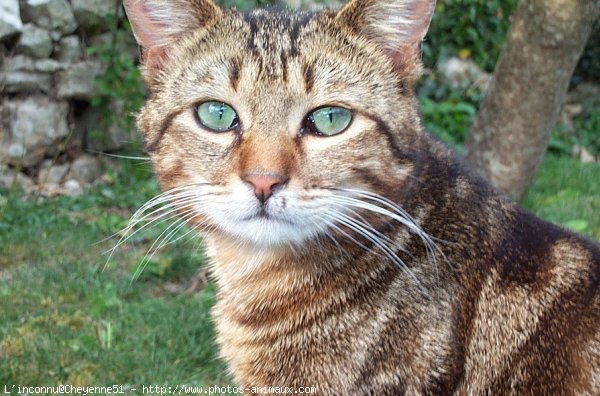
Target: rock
[[34, 126], [56, 36], [94, 15], [586, 157], [88, 129], [85, 169], [22, 73], [72, 188], [78, 81], [52, 174], [9, 178], [50, 177], [55, 15], [583, 154], [24, 63], [48, 65], [10, 20], [69, 49], [35, 42], [19, 75], [567, 116], [462, 73], [19, 81]]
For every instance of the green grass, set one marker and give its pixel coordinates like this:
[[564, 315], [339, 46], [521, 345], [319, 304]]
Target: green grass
[[67, 319], [566, 191]]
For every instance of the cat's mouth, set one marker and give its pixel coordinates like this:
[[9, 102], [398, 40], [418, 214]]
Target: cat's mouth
[[264, 215]]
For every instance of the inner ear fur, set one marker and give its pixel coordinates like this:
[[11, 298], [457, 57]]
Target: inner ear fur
[[398, 27], [158, 24]]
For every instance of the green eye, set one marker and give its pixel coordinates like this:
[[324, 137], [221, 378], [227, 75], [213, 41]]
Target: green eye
[[217, 116], [329, 121]]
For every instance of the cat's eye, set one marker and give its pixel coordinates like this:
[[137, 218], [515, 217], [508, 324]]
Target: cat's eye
[[217, 116], [329, 121]]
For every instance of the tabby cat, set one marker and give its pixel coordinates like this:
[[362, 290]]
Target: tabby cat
[[353, 252]]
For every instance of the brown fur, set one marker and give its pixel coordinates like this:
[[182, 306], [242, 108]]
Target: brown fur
[[508, 305]]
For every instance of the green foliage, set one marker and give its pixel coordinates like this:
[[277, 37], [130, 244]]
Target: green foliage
[[585, 132], [120, 89], [447, 112], [473, 28]]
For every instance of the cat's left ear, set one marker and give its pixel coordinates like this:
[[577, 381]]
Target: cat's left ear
[[397, 26], [158, 24]]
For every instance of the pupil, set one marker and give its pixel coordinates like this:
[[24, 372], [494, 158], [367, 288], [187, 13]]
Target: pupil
[[221, 111], [331, 116]]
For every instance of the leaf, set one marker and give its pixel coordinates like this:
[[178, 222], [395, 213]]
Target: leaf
[[464, 53]]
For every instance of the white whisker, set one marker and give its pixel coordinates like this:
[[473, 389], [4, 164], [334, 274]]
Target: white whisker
[[158, 243], [144, 159], [398, 214], [362, 230], [181, 203], [169, 215]]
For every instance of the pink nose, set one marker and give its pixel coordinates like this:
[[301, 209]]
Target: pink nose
[[265, 184]]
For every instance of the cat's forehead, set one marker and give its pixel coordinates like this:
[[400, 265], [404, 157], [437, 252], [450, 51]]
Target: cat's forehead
[[275, 32], [266, 58], [268, 44], [267, 24]]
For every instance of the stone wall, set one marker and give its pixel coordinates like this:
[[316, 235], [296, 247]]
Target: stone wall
[[47, 81]]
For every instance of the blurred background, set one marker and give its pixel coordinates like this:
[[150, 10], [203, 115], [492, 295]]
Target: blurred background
[[73, 171]]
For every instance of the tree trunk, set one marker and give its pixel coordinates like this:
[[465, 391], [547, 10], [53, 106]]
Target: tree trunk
[[511, 132]]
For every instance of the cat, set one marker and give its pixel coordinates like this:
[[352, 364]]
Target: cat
[[352, 252]]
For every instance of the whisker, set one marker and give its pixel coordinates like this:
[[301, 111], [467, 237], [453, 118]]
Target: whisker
[[388, 202], [350, 237], [328, 235], [144, 159], [399, 215], [172, 201], [159, 240], [152, 202], [171, 208], [377, 233], [359, 228], [186, 219]]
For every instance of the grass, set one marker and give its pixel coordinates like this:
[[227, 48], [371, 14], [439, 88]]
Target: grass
[[67, 319], [566, 191]]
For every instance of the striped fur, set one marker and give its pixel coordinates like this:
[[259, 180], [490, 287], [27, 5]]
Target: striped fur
[[384, 266]]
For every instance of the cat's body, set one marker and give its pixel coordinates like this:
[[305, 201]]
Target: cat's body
[[371, 261], [513, 309]]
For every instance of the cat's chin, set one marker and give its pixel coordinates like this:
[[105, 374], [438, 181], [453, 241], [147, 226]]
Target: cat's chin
[[269, 232]]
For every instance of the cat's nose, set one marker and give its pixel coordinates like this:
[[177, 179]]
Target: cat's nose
[[264, 185]]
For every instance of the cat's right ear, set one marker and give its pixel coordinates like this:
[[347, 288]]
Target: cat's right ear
[[396, 26], [158, 24]]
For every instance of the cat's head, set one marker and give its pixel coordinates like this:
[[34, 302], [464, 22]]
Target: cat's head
[[266, 125]]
